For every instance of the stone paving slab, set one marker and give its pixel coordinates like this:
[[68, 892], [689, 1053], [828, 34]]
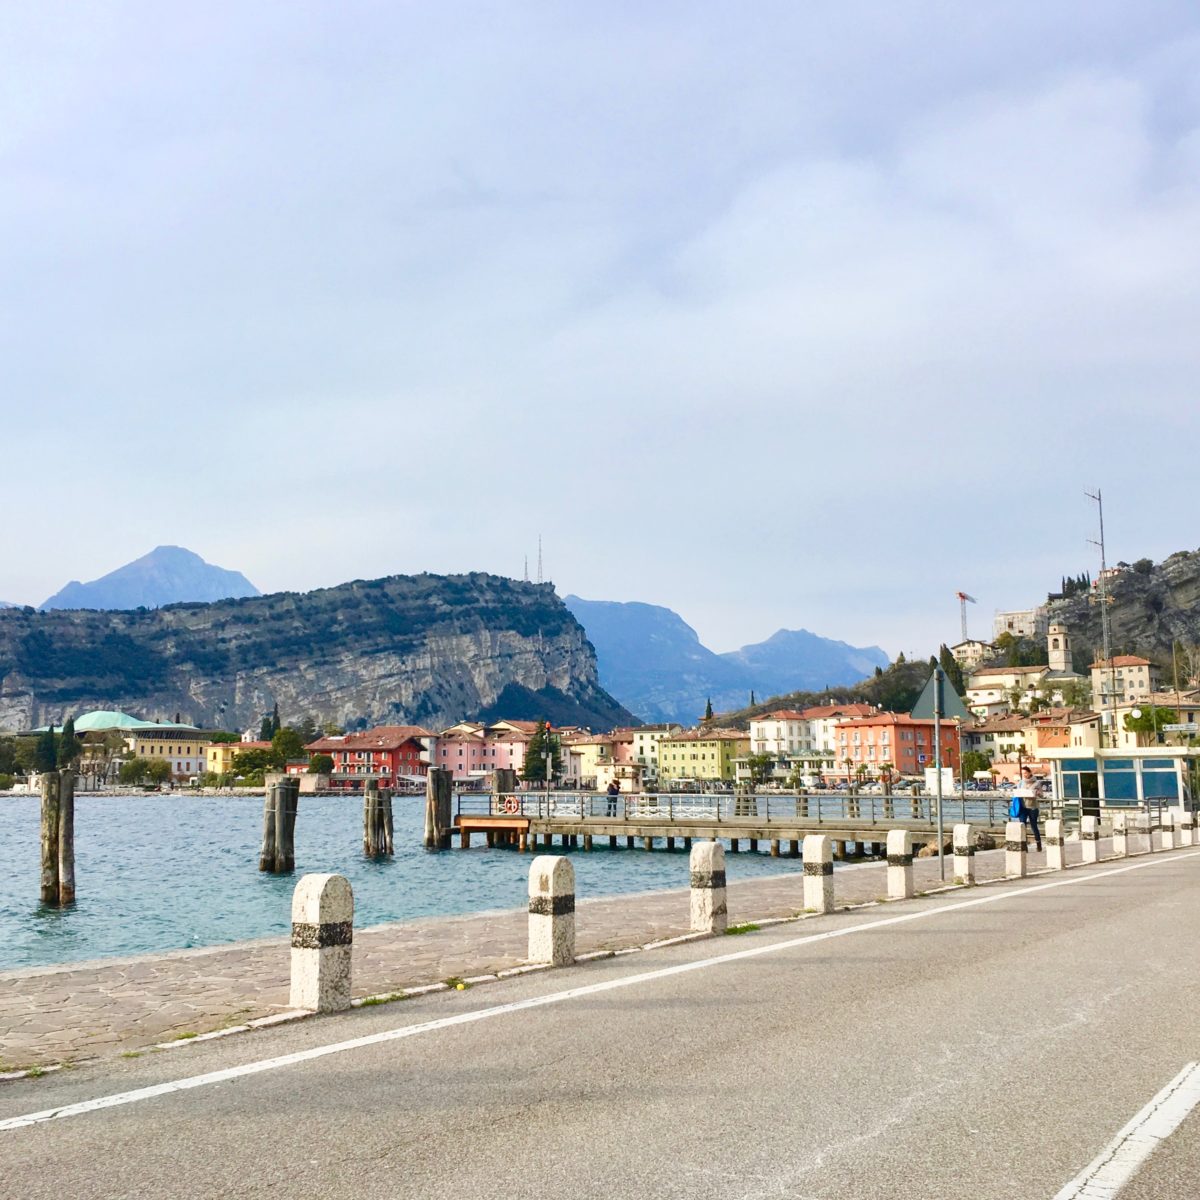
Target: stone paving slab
[[112, 1006]]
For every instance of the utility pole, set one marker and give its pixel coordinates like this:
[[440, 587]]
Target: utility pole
[[1102, 590]]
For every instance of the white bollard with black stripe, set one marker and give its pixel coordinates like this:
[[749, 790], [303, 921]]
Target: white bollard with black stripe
[[1146, 828], [322, 942], [1056, 848], [900, 864], [1187, 828], [1121, 834], [964, 855], [818, 873], [1168, 828], [1015, 861], [552, 910], [1089, 839], [706, 864]]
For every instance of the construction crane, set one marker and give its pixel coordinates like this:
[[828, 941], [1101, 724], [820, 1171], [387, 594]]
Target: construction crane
[[963, 600]]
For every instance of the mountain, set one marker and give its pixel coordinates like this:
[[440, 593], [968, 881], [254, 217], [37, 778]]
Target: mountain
[[167, 575], [795, 660], [5, 604], [656, 665], [423, 650]]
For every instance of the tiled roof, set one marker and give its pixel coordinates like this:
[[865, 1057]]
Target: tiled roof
[[820, 711], [1122, 660], [708, 735], [382, 737]]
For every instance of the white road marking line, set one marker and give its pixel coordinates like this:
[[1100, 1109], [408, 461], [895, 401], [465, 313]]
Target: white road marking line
[[1119, 1161], [286, 1060]]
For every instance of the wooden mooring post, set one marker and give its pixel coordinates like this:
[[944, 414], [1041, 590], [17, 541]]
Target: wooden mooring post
[[437, 809], [58, 838], [280, 806], [377, 820]]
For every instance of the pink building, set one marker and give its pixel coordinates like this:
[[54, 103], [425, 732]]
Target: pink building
[[470, 750]]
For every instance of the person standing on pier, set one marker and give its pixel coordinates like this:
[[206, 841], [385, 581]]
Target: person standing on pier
[[1031, 807], [614, 790]]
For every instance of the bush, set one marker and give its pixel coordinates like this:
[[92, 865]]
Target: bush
[[6, 782]]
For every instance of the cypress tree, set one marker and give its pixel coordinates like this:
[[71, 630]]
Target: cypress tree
[[45, 756], [275, 726], [708, 711], [69, 746]]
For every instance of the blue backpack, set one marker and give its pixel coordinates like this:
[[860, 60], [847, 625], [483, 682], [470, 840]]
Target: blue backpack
[[1015, 808]]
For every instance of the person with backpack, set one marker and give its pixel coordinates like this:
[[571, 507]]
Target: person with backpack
[[1027, 804]]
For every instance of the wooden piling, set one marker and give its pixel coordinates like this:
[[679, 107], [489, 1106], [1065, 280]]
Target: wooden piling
[[50, 783], [266, 856], [438, 796], [66, 838]]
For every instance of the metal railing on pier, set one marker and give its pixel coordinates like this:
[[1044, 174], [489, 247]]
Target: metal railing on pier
[[771, 808]]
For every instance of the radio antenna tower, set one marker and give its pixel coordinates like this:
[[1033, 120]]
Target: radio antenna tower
[[1105, 632], [539, 558], [527, 568]]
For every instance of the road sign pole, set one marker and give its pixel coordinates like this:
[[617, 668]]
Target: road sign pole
[[937, 763]]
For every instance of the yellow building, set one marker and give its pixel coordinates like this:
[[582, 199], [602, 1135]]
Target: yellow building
[[701, 754], [183, 746], [585, 755]]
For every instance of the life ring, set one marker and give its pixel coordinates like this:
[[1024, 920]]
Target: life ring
[[511, 805]]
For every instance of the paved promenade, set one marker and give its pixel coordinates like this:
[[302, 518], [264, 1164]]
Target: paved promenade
[[114, 1006]]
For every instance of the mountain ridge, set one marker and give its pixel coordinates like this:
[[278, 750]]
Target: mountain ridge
[[651, 660], [166, 575]]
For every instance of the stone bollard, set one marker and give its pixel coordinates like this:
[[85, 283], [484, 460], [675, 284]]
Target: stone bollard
[[900, 868], [1145, 831], [1121, 835], [1187, 828], [322, 934], [1168, 829], [1089, 839], [707, 870], [552, 910], [964, 855], [1056, 851], [1014, 850], [818, 873]]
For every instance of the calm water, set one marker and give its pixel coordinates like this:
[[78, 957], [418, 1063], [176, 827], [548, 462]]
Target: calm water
[[169, 872]]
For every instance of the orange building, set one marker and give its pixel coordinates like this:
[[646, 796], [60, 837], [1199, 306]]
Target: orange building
[[905, 742]]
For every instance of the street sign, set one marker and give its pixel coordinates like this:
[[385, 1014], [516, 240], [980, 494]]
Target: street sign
[[1187, 727]]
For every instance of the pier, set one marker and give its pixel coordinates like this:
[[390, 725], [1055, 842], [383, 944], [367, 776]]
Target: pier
[[856, 824]]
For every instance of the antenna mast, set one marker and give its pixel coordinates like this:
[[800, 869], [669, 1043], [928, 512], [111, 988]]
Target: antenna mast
[[539, 558], [1106, 636]]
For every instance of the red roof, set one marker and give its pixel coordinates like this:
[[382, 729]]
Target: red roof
[[1122, 660], [784, 714], [382, 737], [821, 711]]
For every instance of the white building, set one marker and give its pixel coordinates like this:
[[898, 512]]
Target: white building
[[1122, 679], [971, 653], [645, 747]]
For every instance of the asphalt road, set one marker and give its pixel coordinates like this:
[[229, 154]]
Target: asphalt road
[[977, 1050]]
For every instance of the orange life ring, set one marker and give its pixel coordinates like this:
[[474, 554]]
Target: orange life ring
[[510, 804]]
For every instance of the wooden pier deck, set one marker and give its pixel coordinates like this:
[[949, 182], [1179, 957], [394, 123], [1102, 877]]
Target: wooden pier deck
[[855, 824]]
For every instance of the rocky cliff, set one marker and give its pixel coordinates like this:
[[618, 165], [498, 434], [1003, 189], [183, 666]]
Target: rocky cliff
[[422, 649], [1152, 608]]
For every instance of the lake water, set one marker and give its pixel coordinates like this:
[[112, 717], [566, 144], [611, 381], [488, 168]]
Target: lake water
[[169, 872]]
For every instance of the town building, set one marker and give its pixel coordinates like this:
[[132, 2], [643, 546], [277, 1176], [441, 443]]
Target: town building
[[996, 691], [701, 754], [1002, 739], [1121, 778], [472, 750], [585, 756], [904, 742], [1122, 679], [645, 748], [394, 755], [1063, 729], [971, 653], [780, 733], [824, 719], [183, 746], [1185, 705], [219, 756]]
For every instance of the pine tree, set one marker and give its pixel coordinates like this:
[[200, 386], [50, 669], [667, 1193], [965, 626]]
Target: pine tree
[[69, 746], [535, 754]]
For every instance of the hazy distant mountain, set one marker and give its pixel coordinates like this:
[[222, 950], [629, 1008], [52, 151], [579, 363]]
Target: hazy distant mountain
[[654, 663], [5, 604], [796, 660], [167, 575]]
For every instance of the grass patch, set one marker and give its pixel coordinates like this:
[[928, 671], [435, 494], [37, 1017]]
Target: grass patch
[[372, 1001], [734, 930], [131, 1054], [36, 1072], [456, 983], [183, 1037]]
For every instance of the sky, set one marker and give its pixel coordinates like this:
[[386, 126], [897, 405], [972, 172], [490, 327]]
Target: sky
[[781, 315]]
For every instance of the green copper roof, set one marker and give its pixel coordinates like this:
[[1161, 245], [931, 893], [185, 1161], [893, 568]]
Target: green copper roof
[[105, 719]]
